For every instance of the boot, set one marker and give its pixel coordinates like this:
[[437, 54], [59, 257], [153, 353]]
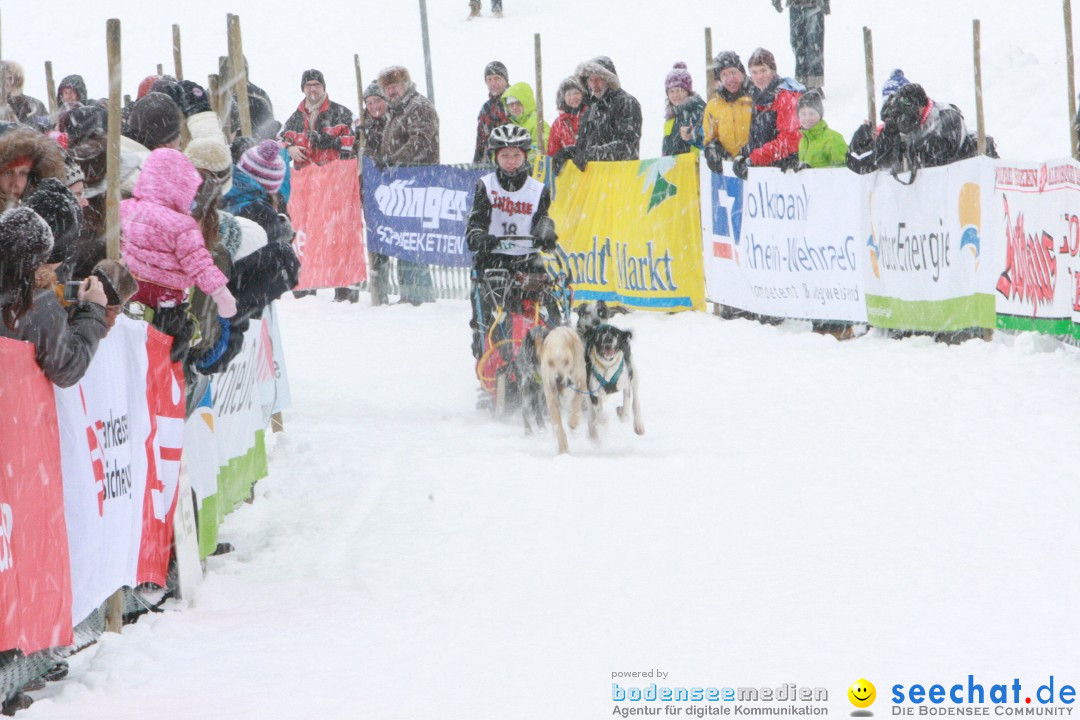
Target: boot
[[474, 9]]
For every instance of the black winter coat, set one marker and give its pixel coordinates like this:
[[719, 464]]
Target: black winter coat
[[491, 116], [610, 128]]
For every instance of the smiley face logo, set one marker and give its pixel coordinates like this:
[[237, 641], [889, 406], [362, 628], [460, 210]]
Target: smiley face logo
[[862, 693]]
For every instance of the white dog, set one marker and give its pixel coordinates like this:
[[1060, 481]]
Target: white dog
[[562, 370]]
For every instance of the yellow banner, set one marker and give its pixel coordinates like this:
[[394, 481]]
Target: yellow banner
[[630, 232]]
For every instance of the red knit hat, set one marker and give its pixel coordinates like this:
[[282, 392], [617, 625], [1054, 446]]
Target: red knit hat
[[146, 85]]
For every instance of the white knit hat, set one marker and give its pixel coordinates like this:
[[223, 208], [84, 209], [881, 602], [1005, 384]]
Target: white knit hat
[[213, 155]]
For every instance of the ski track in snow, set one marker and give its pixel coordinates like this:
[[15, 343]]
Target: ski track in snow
[[799, 510]]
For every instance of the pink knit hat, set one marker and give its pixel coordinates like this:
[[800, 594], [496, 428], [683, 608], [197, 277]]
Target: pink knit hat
[[679, 77], [264, 163]]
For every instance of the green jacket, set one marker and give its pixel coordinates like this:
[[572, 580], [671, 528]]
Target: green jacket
[[524, 94], [821, 147]]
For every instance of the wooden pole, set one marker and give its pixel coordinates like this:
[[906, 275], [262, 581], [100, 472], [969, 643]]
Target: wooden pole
[[160, 70], [976, 27], [50, 87], [224, 97], [541, 146], [427, 51], [5, 111], [177, 56], [212, 82], [868, 49], [238, 75], [114, 612], [361, 139], [375, 279], [708, 63], [112, 166], [1074, 132]]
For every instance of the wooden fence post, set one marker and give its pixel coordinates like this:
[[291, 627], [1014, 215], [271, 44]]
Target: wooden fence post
[[979, 119], [541, 146], [238, 75], [427, 51], [50, 87], [112, 162], [868, 50]]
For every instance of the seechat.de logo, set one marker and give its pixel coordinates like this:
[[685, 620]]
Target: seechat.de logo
[[862, 694]]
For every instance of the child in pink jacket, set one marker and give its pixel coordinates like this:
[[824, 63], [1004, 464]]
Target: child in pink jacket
[[165, 249]]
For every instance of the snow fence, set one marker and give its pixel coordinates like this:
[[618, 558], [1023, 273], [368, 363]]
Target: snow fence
[[91, 478]]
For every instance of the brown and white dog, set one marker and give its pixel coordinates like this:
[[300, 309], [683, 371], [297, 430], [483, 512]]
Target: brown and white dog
[[562, 372]]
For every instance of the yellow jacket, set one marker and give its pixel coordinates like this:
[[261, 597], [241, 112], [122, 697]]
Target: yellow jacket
[[728, 122]]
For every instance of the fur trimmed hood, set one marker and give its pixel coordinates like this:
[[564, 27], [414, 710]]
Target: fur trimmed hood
[[47, 160], [602, 66]]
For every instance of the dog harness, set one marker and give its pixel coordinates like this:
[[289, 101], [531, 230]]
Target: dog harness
[[608, 386]]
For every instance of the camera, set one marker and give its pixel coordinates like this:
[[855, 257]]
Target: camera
[[71, 291]]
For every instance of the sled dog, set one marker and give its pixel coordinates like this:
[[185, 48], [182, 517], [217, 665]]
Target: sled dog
[[562, 372]]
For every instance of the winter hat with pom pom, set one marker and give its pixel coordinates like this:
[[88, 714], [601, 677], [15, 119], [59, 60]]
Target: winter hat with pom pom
[[60, 210], [263, 162], [895, 82], [679, 77]]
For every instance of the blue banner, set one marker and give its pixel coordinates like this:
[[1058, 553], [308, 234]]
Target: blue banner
[[419, 213]]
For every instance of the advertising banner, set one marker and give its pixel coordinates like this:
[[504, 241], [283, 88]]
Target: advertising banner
[[926, 263], [326, 213], [1037, 204], [630, 232], [120, 444], [35, 573], [419, 213], [227, 454], [787, 244]]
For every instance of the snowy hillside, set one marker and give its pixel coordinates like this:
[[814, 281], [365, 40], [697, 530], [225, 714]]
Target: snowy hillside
[[799, 510], [1023, 52]]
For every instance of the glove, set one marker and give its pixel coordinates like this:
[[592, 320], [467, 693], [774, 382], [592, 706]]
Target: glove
[[226, 303], [323, 141], [862, 141], [741, 165], [195, 99], [800, 167], [558, 160], [485, 244], [580, 158], [714, 157], [544, 233]]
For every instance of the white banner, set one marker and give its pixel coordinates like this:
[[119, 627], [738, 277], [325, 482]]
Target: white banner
[[928, 264], [282, 395], [104, 425], [1036, 284], [787, 244]]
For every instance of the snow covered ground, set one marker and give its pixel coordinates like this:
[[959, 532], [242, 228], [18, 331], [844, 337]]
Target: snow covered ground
[[799, 510]]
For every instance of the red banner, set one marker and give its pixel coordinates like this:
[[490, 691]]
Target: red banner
[[325, 210], [165, 399], [35, 576]]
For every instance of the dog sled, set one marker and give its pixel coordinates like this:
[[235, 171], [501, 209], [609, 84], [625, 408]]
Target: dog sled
[[530, 289]]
